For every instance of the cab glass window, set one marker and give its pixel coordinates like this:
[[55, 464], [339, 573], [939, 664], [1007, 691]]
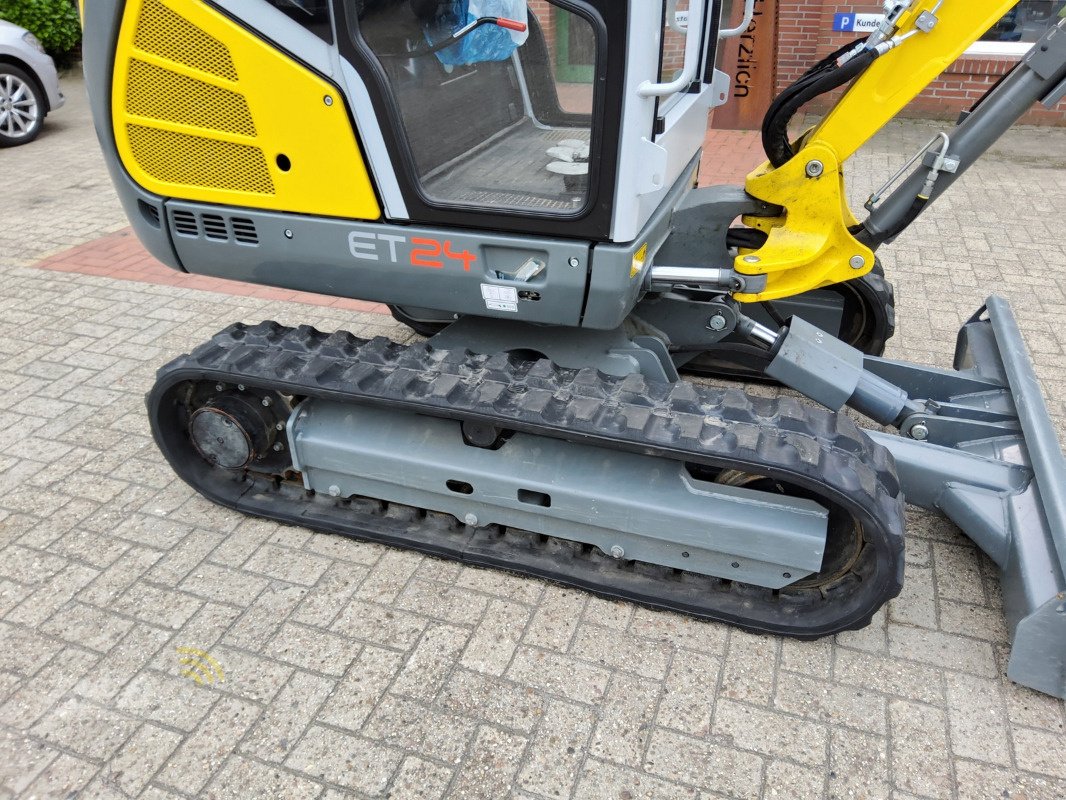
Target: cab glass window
[[496, 98], [312, 14]]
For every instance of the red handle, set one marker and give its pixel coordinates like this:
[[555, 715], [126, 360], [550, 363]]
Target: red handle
[[511, 24]]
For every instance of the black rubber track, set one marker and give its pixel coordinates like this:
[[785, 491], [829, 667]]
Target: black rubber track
[[822, 453]]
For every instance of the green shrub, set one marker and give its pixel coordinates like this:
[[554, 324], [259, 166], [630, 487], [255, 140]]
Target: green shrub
[[54, 22]]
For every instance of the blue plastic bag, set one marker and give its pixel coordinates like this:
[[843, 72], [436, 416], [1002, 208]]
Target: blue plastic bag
[[486, 43]]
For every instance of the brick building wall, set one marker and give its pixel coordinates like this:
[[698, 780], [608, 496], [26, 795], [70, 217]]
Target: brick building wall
[[805, 34]]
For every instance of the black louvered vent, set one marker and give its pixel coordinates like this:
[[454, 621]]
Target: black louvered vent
[[244, 230], [185, 224], [215, 227]]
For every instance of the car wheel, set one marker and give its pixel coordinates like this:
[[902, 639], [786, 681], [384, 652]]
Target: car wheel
[[21, 107]]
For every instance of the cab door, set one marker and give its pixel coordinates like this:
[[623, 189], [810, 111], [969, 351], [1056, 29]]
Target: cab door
[[671, 86]]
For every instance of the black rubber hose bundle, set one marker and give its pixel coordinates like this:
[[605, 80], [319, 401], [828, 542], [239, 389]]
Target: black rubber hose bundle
[[823, 77]]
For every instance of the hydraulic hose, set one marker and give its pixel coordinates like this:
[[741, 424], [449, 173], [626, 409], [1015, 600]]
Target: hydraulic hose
[[823, 77]]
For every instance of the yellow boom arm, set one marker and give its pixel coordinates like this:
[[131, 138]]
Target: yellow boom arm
[[809, 244]]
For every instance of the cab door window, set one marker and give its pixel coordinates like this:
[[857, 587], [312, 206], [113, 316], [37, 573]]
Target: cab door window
[[496, 98]]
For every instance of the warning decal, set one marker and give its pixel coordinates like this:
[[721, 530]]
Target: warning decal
[[500, 298]]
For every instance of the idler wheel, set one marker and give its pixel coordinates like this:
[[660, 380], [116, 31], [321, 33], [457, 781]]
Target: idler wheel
[[233, 429]]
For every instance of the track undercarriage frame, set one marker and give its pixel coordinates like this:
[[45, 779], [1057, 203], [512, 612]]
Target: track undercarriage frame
[[771, 515]]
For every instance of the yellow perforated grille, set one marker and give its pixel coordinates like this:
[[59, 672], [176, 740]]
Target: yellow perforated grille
[[163, 33], [174, 157], [158, 93]]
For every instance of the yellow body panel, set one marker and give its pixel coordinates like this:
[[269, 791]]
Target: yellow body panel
[[205, 111], [810, 245]]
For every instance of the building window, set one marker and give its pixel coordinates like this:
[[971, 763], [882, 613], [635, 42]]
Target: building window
[[1020, 28]]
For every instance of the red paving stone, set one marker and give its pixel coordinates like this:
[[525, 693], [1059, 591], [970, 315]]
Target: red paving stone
[[120, 255], [728, 157]]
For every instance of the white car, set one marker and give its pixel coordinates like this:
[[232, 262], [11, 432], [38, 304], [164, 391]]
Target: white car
[[29, 86]]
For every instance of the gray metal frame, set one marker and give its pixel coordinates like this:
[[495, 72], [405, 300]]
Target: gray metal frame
[[630, 506], [976, 444]]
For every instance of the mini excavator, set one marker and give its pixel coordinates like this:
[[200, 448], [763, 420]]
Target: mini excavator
[[516, 181]]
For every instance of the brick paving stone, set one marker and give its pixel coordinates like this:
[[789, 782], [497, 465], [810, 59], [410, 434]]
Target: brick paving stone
[[554, 622], [748, 667], [942, 649], [419, 779], [489, 768], [432, 660], [858, 766], [895, 676], [64, 777], [345, 760], [851, 707], [978, 719], [312, 649], [703, 762], [620, 651], [599, 780], [243, 779], [380, 625], [37, 695], [446, 603], [86, 729], [771, 733], [24, 651], [140, 759], [121, 663], [920, 755], [327, 598], [50, 597], [814, 659], [407, 725], [502, 702], [170, 700], [916, 604], [359, 692], [980, 781], [625, 720], [288, 565], [558, 750], [284, 721], [496, 638], [355, 670], [678, 631], [689, 693], [559, 675], [258, 624], [1038, 751], [786, 779], [21, 760], [205, 749]]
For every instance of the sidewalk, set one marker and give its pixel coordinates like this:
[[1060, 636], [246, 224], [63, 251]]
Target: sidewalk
[[351, 670]]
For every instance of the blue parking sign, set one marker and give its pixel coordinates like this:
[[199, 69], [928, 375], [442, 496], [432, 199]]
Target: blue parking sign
[[844, 22], [860, 23]]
